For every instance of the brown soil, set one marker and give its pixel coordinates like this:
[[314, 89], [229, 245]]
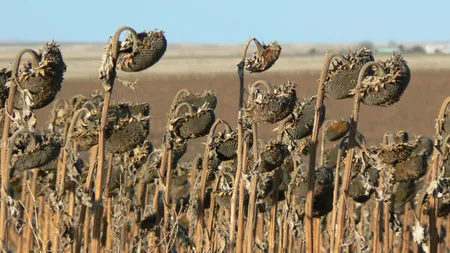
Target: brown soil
[[416, 112]]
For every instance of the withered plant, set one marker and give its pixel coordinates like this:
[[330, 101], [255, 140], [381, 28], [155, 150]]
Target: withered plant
[[37, 83], [264, 58], [93, 181], [137, 53]]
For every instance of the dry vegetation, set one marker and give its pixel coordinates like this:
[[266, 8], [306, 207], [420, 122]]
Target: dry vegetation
[[230, 164]]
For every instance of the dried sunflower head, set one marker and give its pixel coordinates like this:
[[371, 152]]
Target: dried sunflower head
[[387, 90], [225, 187], [264, 57], [86, 129], [272, 105], [116, 178], [323, 192], [149, 221], [225, 144], [402, 194], [46, 150], [273, 156], [214, 166], [194, 123], [181, 187], [265, 188], [342, 77], [301, 122], [362, 186], [140, 154], [438, 189], [196, 100], [38, 85], [148, 49], [395, 153], [412, 169], [417, 163], [128, 130]]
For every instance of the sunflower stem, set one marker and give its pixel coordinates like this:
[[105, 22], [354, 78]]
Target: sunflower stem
[[313, 150], [349, 159], [109, 85], [5, 167], [434, 173]]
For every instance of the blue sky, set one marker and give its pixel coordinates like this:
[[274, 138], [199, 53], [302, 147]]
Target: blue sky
[[229, 21]]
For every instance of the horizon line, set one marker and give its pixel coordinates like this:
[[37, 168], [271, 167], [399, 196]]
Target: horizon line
[[22, 42]]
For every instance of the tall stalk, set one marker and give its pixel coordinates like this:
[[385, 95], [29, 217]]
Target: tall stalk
[[109, 210], [162, 171], [237, 179], [351, 151], [313, 150], [4, 147], [108, 84], [434, 173], [388, 139], [211, 220], [289, 205], [241, 226], [23, 198], [28, 235], [62, 178], [84, 213], [406, 230], [252, 205], [192, 182], [335, 193], [273, 212], [204, 177], [167, 205], [251, 216], [386, 241]]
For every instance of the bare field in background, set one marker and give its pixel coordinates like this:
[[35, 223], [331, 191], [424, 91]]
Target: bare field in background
[[416, 112], [84, 59]]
